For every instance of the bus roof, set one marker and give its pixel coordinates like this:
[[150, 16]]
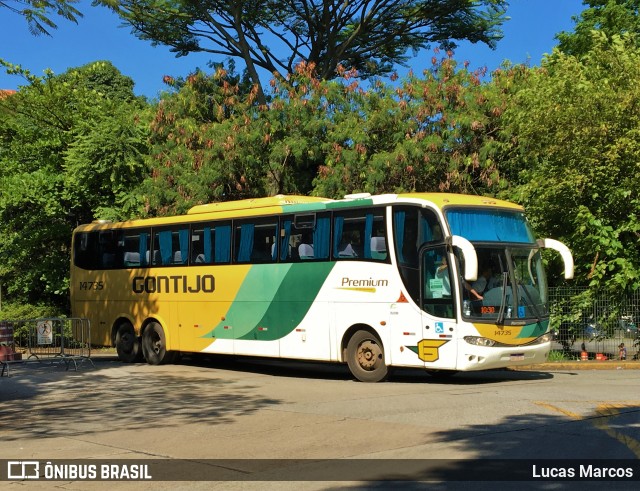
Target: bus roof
[[301, 204], [443, 200], [252, 203]]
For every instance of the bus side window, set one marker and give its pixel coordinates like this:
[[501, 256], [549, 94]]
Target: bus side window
[[198, 244], [94, 250], [255, 242], [211, 243], [134, 247], [171, 246], [413, 227], [107, 247], [360, 235]]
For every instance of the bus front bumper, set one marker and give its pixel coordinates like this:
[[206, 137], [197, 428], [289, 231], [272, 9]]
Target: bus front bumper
[[486, 358]]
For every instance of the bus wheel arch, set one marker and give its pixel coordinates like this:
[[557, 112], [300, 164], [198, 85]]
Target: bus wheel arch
[[363, 351], [126, 341], [154, 343]]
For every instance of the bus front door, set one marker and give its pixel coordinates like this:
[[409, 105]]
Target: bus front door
[[438, 347]]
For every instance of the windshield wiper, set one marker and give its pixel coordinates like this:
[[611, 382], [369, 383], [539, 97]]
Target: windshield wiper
[[532, 303], [503, 302]]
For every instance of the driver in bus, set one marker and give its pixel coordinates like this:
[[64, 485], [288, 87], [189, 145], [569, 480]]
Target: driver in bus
[[485, 282]]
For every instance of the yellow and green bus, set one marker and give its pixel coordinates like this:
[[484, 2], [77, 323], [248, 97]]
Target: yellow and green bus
[[444, 282]]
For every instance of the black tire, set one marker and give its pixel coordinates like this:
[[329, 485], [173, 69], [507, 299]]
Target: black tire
[[365, 357], [127, 343], [154, 345]]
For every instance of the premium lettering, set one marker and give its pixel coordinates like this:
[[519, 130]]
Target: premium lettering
[[348, 282], [174, 284]]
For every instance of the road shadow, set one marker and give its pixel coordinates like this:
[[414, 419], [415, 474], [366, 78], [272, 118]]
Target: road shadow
[[48, 401], [607, 437], [335, 371]]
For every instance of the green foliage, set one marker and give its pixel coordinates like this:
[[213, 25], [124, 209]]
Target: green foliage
[[576, 126], [607, 17], [20, 311], [38, 13], [369, 36], [71, 148], [430, 133], [555, 355], [195, 153]]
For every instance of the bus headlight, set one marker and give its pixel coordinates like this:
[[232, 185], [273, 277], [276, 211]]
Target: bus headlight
[[478, 341], [545, 338]]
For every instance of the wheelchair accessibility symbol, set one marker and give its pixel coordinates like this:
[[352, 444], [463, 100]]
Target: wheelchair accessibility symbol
[[439, 327]]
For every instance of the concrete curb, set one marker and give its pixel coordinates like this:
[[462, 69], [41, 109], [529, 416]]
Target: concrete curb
[[582, 365]]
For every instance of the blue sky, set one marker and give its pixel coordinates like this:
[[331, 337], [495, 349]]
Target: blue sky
[[99, 36]]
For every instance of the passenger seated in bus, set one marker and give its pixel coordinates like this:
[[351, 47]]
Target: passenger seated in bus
[[484, 283], [349, 245], [378, 248], [305, 249], [345, 249]]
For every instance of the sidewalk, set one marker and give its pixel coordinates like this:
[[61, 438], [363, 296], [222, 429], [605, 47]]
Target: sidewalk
[[583, 365]]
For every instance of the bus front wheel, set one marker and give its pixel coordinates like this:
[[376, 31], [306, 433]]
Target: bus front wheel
[[154, 346], [127, 343], [365, 357]]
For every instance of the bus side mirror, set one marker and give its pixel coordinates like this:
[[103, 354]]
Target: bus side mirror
[[469, 254], [565, 253]]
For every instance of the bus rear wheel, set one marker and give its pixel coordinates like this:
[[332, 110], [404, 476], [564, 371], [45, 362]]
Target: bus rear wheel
[[127, 343], [365, 357], [154, 346]]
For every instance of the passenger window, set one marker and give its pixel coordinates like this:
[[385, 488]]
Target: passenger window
[[134, 245], [305, 237], [255, 241], [360, 235], [211, 243], [414, 227], [170, 247]]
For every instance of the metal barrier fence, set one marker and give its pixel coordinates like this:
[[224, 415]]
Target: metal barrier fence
[[597, 324], [53, 339]]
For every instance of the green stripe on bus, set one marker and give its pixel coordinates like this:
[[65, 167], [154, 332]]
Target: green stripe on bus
[[335, 205], [534, 330], [272, 301], [292, 301], [252, 300]]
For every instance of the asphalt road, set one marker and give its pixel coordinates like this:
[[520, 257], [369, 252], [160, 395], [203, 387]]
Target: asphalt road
[[185, 417]]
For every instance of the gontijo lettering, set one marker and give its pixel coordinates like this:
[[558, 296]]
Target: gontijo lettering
[[174, 284]]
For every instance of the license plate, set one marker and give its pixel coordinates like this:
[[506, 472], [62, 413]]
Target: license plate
[[517, 357]]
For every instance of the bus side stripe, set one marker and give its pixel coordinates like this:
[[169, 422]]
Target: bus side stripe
[[293, 300]]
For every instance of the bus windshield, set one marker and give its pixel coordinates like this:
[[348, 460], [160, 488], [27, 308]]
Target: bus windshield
[[489, 225], [511, 285]]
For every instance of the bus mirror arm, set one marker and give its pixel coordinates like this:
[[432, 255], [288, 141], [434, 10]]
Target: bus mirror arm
[[565, 253], [470, 256]]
